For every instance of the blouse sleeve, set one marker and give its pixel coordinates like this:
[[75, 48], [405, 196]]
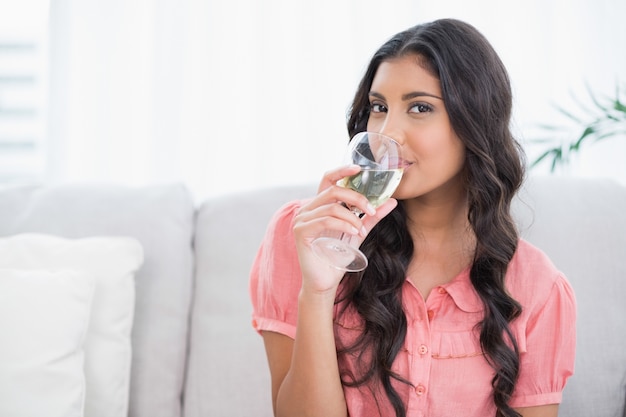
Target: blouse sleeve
[[547, 357], [275, 278]]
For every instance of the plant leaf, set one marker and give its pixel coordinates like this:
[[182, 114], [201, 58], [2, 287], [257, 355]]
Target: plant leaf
[[607, 118]]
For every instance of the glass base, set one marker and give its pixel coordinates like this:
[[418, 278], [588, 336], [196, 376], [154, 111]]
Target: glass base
[[339, 254]]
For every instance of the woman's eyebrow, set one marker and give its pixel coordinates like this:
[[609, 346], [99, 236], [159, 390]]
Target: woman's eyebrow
[[415, 94], [407, 96], [377, 95]]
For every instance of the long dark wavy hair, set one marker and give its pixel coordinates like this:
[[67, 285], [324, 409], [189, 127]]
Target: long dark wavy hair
[[477, 94]]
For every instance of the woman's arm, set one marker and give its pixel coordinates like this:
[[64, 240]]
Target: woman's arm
[[278, 348], [551, 410], [305, 374], [305, 371]]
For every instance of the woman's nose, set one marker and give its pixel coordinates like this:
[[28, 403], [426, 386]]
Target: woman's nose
[[395, 134], [392, 129]]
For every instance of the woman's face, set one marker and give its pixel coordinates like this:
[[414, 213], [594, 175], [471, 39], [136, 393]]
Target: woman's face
[[406, 104]]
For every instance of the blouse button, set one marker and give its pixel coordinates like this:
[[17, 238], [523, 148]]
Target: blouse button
[[422, 350], [431, 314], [441, 290], [420, 389]]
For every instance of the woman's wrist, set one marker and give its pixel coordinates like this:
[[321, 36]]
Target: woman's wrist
[[316, 298]]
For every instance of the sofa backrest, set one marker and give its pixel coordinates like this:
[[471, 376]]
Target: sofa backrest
[[161, 218]]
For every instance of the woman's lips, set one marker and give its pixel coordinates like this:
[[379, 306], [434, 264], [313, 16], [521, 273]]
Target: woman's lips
[[405, 164]]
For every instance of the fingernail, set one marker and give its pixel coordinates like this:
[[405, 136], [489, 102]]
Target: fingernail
[[363, 231], [355, 231], [370, 209]]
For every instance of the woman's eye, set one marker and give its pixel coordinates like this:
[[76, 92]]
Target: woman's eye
[[377, 108], [420, 108]]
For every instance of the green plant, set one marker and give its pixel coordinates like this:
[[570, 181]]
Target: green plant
[[605, 118]]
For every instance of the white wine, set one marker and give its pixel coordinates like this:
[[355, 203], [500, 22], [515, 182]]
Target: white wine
[[376, 185]]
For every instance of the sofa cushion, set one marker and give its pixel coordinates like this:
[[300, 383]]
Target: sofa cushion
[[112, 262], [161, 218], [44, 317], [228, 374]]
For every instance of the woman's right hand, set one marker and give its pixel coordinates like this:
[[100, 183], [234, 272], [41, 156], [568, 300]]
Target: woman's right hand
[[327, 213], [305, 371]]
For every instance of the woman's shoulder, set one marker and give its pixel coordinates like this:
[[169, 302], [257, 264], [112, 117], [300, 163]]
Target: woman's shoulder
[[527, 253], [278, 243], [548, 317], [531, 275], [282, 219], [275, 277]]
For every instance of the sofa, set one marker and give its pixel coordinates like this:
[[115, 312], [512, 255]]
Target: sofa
[[194, 351]]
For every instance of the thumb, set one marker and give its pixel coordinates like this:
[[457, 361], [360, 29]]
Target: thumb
[[370, 221]]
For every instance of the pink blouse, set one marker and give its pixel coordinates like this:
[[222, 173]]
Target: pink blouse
[[442, 356]]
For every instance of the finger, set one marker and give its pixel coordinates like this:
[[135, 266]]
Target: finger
[[331, 177], [337, 194], [365, 225], [383, 210], [329, 217]]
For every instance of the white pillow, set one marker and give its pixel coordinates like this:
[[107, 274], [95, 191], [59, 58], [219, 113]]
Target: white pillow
[[113, 262], [44, 317]]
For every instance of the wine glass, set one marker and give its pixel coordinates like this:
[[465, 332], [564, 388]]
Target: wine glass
[[381, 165]]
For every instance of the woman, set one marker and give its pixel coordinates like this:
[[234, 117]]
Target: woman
[[455, 314]]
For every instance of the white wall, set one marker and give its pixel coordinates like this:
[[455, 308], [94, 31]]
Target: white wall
[[232, 95]]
